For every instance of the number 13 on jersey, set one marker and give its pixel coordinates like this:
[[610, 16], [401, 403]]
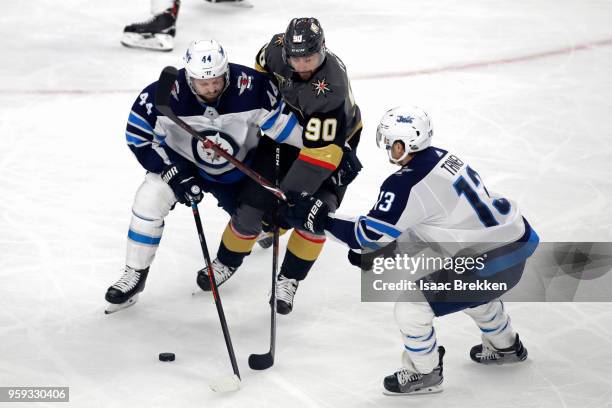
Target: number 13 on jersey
[[484, 213], [385, 200]]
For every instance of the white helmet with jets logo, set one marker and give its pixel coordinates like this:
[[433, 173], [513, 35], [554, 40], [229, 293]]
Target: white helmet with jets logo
[[206, 59], [410, 125]]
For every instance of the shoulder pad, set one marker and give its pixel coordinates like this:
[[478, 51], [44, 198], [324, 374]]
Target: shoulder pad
[[325, 93]]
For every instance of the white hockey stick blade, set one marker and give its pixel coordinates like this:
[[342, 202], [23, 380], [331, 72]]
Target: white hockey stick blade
[[226, 383]]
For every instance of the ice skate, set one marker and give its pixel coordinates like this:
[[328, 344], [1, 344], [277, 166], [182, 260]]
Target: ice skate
[[124, 292], [221, 272], [486, 353], [157, 33], [285, 292], [409, 382]]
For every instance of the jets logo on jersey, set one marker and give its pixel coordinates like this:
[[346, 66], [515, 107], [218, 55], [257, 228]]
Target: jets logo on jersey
[[244, 82], [321, 87], [210, 158]]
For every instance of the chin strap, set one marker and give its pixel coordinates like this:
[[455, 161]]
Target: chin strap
[[400, 160]]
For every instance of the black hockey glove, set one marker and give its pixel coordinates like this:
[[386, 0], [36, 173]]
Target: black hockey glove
[[366, 260], [357, 259], [267, 223], [305, 212], [348, 169], [184, 182]]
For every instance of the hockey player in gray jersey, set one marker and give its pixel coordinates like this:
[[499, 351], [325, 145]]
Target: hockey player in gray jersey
[[228, 103], [434, 198], [317, 97]]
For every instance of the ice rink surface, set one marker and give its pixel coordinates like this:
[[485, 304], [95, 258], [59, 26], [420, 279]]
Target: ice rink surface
[[521, 90]]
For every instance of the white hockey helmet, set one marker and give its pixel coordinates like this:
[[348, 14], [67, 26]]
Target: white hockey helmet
[[206, 59], [409, 124]]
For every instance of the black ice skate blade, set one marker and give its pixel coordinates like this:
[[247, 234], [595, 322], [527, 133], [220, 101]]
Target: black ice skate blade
[[435, 389], [261, 361]]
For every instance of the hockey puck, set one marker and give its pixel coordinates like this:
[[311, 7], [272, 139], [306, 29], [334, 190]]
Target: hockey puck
[[166, 356]]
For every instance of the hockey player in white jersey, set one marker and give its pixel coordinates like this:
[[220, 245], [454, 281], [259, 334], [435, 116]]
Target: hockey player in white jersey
[[434, 198], [228, 103]]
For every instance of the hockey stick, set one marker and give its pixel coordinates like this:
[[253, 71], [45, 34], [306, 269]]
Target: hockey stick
[[164, 90], [224, 383], [264, 361]]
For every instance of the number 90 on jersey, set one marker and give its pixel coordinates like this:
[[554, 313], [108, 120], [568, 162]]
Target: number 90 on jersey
[[324, 130]]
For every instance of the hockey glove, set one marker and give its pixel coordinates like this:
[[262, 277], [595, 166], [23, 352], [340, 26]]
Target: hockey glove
[[184, 183], [305, 212], [356, 259], [348, 169], [365, 260]]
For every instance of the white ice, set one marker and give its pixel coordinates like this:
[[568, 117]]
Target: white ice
[[535, 123]]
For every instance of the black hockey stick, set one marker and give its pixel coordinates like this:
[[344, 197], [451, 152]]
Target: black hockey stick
[[264, 361], [222, 383], [163, 93]]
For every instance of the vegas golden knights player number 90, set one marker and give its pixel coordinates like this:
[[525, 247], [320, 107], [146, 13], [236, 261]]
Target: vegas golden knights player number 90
[[325, 130]]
